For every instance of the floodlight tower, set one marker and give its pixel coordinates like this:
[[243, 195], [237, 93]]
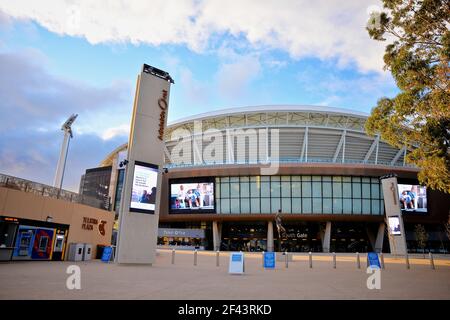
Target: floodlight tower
[[67, 128]]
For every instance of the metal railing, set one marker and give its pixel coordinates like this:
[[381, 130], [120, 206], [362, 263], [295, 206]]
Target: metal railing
[[52, 192]]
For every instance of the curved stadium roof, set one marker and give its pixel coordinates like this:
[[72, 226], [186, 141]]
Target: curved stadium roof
[[305, 134]]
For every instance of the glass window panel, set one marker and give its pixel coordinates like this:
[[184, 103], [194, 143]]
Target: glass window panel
[[285, 189], [356, 179], [375, 207], [326, 189], [337, 178], [234, 189], [327, 205], [317, 189], [254, 189], [347, 179], [296, 189], [381, 192], [275, 178], [365, 191], [234, 206], [374, 180], [306, 205], [337, 190], [265, 178], [306, 178], [356, 206], [317, 205], [244, 179], [224, 179], [296, 205], [275, 189], [224, 190], [255, 178], [265, 205], [285, 178], [245, 205], [234, 179], [217, 191], [276, 205], [296, 178], [225, 205], [255, 205], [375, 191], [346, 190], [286, 205], [337, 206], [244, 186], [265, 189], [306, 189], [218, 208], [365, 180], [347, 206], [317, 178], [356, 190], [381, 206], [326, 178], [366, 206]]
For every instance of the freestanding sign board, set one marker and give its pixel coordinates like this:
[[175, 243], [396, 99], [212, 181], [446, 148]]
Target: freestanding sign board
[[394, 219], [141, 193], [236, 263], [107, 253], [373, 261], [269, 260]]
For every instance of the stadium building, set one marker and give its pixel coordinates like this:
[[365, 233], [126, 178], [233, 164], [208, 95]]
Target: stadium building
[[230, 171]]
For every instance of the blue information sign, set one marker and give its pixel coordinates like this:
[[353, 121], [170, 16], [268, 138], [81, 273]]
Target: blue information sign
[[374, 262], [269, 260], [107, 252]]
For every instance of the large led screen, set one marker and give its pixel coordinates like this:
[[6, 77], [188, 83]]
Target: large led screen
[[394, 225], [194, 195], [143, 192], [413, 198]]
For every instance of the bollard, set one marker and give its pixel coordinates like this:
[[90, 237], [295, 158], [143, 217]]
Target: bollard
[[407, 261], [310, 260], [431, 261], [195, 257], [217, 258], [263, 259], [286, 259], [382, 260], [334, 260], [358, 261], [173, 256]]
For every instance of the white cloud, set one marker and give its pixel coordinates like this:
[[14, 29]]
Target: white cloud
[[122, 130], [327, 29]]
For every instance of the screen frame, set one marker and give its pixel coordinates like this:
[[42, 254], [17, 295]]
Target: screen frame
[[389, 226], [147, 165], [207, 179]]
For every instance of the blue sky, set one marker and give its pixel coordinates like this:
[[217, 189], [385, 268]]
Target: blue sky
[[64, 57]]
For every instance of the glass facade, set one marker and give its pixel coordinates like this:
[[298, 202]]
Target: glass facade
[[303, 194]]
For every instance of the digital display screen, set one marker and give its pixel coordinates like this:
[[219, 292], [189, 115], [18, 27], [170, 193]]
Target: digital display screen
[[412, 198], [194, 195], [394, 225], [143, 192]]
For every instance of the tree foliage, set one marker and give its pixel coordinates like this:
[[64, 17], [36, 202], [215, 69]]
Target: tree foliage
[[421, 236], [417, 55]]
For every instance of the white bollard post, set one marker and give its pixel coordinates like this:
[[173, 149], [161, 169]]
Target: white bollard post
[[382, 260], [195, 257], [286, 259], [310, 260], [263, 259], [358, 261], [173, 256], [407, 261], [334, 260], [217, 258]]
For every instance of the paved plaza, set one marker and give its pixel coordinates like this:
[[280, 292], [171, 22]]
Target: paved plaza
[[182, 280]]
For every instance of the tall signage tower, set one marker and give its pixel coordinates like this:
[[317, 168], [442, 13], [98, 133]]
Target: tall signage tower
[[141, 195]]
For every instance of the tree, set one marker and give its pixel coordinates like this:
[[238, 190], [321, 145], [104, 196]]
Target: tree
[[421, 236], [418, 118]]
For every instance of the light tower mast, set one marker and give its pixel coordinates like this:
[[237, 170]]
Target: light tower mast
[[67, 128]]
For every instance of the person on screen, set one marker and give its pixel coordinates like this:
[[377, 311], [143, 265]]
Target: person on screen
[[152, 196], [405, 200], [144, 197], [199, 192], [191, 198], [182, 197]]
